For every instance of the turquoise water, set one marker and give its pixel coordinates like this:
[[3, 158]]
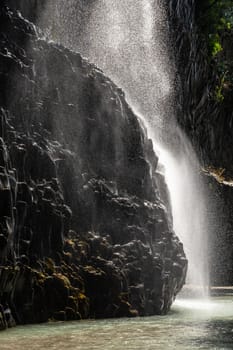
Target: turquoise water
[[191, 324]]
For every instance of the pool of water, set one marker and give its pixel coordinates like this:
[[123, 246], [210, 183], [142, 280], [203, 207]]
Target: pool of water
[[191, 324]]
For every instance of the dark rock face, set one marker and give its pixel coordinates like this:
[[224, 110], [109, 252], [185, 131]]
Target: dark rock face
[[207, 120], [205, 117], [28, 8], [84, 232], [221, 246]]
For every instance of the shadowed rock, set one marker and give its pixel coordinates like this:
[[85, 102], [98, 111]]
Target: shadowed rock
[[84, 232]]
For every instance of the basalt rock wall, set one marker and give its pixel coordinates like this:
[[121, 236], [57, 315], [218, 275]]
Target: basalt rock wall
[[205, 116], [204, 111], [84, 230]]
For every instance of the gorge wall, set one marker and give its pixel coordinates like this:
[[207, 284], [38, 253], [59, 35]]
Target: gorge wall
[[205, 112], [85, 230]]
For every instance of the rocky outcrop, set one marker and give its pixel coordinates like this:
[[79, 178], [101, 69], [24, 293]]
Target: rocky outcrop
[[84, 231]]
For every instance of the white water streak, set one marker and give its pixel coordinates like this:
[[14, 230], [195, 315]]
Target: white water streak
[[128, 39]]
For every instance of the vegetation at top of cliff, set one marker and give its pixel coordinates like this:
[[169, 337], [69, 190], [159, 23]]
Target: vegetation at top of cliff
[[215, 22], [214, 18]]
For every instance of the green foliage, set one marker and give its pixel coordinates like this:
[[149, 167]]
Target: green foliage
[[219, 97], [215, 22], [215, 44], [214, 17]]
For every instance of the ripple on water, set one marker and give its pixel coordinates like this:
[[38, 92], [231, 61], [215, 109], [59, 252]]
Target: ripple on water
[[192, 324]]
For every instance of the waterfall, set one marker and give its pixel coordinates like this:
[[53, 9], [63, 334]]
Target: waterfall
[[129, 41]]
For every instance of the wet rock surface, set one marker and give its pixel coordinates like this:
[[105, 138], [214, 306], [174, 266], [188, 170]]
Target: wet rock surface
[[83, 229], [207, 119], [205, 116], [221, 247]]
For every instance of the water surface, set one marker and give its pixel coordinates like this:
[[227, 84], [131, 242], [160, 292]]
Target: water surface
[[192, 324]]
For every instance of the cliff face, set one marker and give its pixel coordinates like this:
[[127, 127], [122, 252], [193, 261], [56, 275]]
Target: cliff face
[[84, 231], [205, 100], [205, 113]]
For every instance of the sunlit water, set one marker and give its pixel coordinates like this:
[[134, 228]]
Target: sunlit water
[[192, 324]]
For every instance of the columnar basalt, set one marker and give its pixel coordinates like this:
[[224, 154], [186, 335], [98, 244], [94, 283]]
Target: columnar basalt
[[84, 231]]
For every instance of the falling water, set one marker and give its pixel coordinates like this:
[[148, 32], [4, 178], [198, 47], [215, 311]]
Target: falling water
[[128, 39]]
